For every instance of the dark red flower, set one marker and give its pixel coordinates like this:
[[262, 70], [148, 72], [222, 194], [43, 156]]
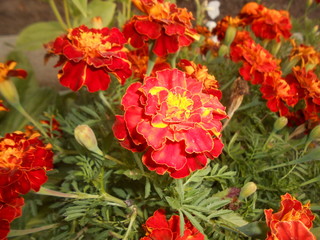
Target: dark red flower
[[89, 55], [169, 26], [24, 162], [292, 221], [174, 120], [158, 227], [8, 212]]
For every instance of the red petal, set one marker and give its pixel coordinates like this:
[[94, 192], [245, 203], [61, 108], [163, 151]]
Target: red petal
[[171, 155], [197, 140], [132, 96], [158, 220], [217, 149], [96, 79], [72, 53], [174, 29], [132, 117], [151, 29], [166, 44], [292, 230], [73, 75]]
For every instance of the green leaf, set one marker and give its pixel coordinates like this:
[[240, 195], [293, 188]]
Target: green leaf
[[234, 219], [37, 34], [103, 9], [181, 223], [147, 188], [174, 203], [82, 6], [194, 221], [255, 229]]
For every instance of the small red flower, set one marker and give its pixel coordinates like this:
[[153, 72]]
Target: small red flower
[[251, 11], [24, 162], [8, 70], [223, 24], [8, 212], [306, 54], [89, 55], [292, 221], [169, 26], [200, 72], [158, 227], [256, 61], [174, 120]]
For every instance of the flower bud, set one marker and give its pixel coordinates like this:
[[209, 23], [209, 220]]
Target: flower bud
[[280, 123], [9, 92], [315, 133], [275, 48], [248, 189], [223, 50], [85, 137], [230, 35]]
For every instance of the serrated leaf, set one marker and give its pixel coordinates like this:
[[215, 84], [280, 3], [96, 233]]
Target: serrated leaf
[[37, 34], [193, 220], [234, 218], [81, 6]]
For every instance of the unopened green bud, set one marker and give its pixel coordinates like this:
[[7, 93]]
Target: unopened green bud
[[230, 35], [315, 133], [223, 50], [275, 48], [9, 92], [280, 123], [86, 137], [248, 189]]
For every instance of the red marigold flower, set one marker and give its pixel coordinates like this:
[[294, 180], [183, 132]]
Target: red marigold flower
[[200, 72], [24, 162], [292, 221], [139, 61], [251, 11], [257, 61], [272, 24], [8, 212], [89, 55], [2, 107], [169, 26], [8, 70], [223, 24], [171, 117], [158, 227]]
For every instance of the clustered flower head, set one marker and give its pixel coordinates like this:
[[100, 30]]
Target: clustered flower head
[[158, 227], [168, 26], [174, 120], [24, 162], [88, 56], [292, 221]]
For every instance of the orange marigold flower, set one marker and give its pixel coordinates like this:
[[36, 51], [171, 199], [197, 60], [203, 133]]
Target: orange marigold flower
[[306, 54], [256, 61], [174, 120], [169, 26], [223, 24], [2, 107], [89, 55], [251, 11], [292, 221], [200, 72], [8, 212], [8, 70], [272, 24], [24, 162], [139, 61], [158, 227]]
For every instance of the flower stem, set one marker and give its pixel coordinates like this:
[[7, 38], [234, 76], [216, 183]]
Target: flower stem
[[66, 13], [174, 59], [105, 102], [152, 59], [57, 14], [114, 159], [132, 219], [16, 233]]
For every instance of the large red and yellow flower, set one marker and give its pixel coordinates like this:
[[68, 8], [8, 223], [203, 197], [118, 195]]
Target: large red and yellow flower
[[89, 55], [174, 120], [164, 23], [8, 212], [292, 221], [200, 72], [256, 61], [158, 227], [24, 162]]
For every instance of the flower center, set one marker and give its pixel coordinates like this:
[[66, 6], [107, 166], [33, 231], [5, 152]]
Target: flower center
[[10, 158], [179, 106]]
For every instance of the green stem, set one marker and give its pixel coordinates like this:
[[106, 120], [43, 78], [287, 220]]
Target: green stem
[[57, 14], [66, 13], [132, 219], [27, 116], [16, 233], [114, 159], [268, 140], [152, 59], [106, 102], [174, 59]]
